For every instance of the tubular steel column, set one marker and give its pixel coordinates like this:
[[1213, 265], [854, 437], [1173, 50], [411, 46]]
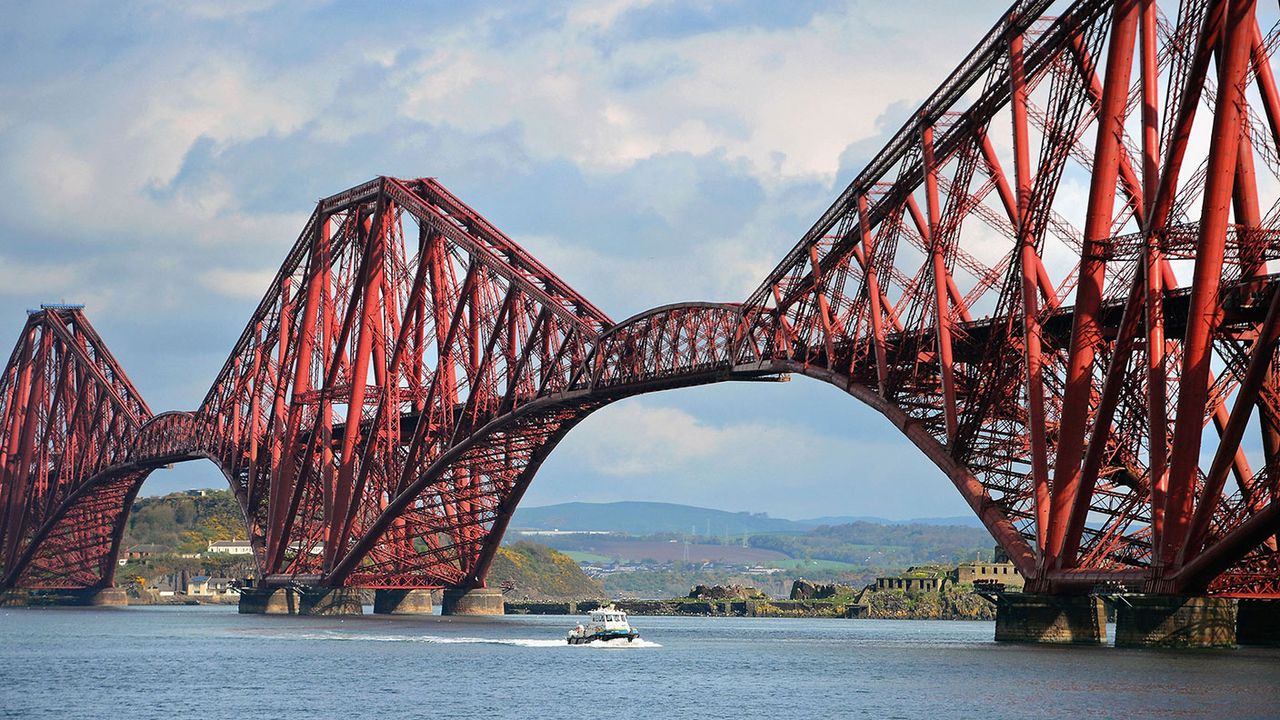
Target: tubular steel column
[[873, 293], [1029, 261], [1086, 330], [1157, 381], [1203, 312], [940, 277]]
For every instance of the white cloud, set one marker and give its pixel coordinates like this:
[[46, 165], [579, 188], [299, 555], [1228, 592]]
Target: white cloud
[[643, 450], [223, 9], [787, 101], [603, 13], [641, 440], [243, 284], [51, 280], [724, 270], [221, 98], [55, 175]]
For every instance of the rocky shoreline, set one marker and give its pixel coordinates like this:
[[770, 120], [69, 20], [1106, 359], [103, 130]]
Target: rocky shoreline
[[819, 602], [704, 608]]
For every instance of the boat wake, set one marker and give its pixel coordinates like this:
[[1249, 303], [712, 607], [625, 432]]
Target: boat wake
[[618, 644], [442, 640]]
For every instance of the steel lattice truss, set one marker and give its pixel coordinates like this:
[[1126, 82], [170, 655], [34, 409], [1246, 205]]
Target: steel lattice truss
[[1053, 280]]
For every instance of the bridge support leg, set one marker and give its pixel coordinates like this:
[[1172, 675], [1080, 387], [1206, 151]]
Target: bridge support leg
[[403, 602], [1258, 622], [480, 601], [1071, 619], [310, 601], [1182, 622]]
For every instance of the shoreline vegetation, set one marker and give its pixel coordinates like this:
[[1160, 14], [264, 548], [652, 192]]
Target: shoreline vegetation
[[882, 605], [953, 603], [168, 548]]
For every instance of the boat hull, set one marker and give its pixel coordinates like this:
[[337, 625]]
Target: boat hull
[[585, 639]]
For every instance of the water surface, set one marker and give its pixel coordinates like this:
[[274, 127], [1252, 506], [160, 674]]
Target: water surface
[[168, 662]]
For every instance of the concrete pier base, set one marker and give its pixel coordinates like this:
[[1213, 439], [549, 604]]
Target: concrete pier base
[[107, 597], [403, 602], [333, 601], [98, 597], [1258, 622], [15, 598], [269, 601], [1175, 622], [1078, 620], [480, 601], [292, 601]]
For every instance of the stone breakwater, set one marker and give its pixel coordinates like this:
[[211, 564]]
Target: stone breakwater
[[721, 608], [831, 601]]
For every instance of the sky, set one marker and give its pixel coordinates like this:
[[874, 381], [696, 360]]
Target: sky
[[159, 157]]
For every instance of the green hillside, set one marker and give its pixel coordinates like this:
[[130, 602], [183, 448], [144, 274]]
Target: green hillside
[[183, 522], [536, 572], [882, 545]]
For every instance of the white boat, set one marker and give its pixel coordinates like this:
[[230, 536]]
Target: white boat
[[606, 623]]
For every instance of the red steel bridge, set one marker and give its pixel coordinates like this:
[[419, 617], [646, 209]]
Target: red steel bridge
[[1053, 280]]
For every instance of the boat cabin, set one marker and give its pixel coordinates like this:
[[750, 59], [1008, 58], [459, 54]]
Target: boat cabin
[[609, 618]]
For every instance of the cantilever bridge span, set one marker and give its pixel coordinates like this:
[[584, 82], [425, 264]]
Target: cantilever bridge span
[[1053, 280]]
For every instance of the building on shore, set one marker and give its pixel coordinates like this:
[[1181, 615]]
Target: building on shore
[[934, 578], [165, 585], [205, 586], [1005, 573], [928, 578], [230, 547], [142, 552]]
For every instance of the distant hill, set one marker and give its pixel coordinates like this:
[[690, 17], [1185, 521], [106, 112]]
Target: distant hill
[[953, 520], [648, 518], [184, 522]]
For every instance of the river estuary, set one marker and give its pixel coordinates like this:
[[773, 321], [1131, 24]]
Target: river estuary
[[171, 662]]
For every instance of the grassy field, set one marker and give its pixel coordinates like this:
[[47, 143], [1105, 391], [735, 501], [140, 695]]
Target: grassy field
[[814, 565], [581, 556]]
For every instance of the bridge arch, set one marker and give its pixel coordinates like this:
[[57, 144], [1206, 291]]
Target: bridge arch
[[67, 551], [710, 338]]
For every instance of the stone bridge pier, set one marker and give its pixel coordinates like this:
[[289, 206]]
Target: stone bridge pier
[[1159, 621], [321, 601]]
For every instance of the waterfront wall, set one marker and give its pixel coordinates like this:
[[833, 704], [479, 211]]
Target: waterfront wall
[[722, 608]]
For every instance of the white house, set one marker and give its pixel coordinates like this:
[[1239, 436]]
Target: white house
[[231, 547]]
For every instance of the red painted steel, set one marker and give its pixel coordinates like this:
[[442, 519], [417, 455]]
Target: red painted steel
[[410, 367]]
